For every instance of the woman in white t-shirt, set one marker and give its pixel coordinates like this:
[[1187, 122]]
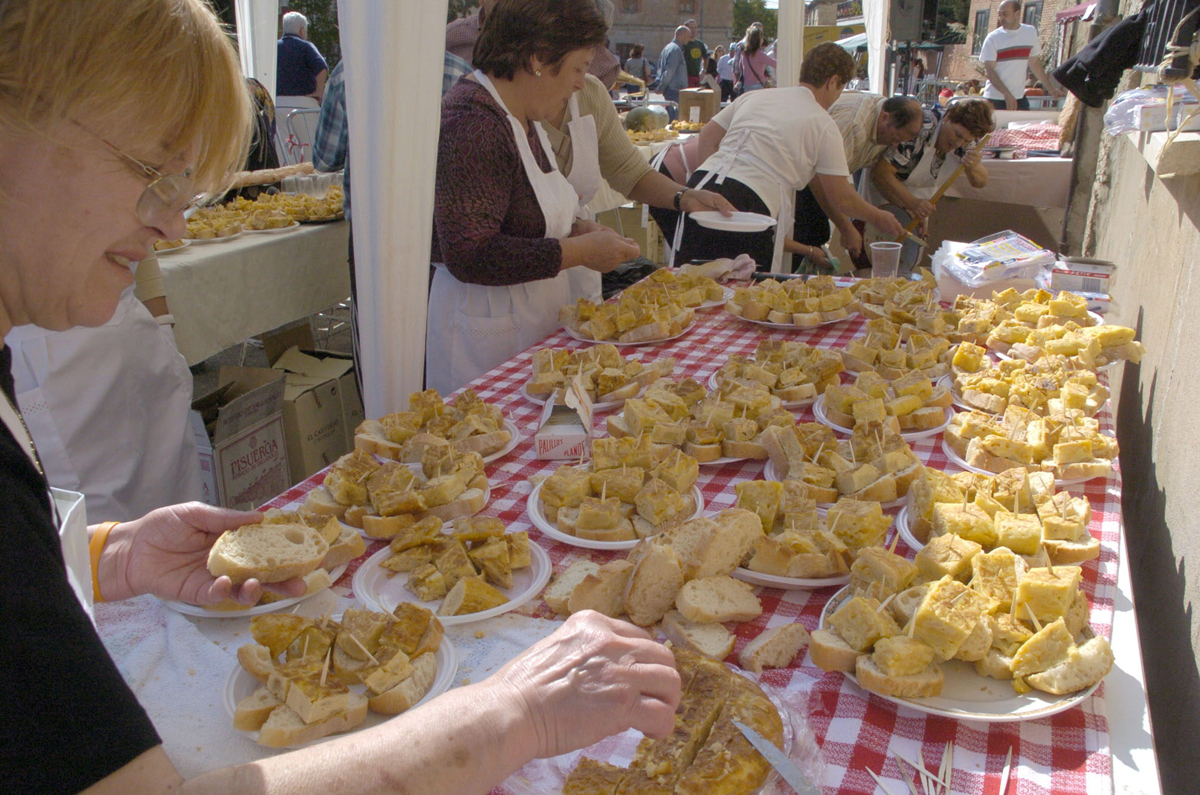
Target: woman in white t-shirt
[[767, 145]]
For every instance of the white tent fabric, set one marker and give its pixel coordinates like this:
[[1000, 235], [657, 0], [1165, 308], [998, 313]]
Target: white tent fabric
[[257, 24], [878, 36], [851, 43], [789, 52], [393, 50]]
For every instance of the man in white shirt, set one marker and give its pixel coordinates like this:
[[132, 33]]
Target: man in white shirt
[[1008, 53]]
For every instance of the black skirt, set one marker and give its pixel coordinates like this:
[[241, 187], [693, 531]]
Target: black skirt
[[704, 244]]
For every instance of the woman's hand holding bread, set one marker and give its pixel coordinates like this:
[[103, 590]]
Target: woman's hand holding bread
[[594, 677], [165, 553], [600, 250]]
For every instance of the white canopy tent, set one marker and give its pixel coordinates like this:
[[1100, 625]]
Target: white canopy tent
[[789, 51], [878, 36], [257, 31]]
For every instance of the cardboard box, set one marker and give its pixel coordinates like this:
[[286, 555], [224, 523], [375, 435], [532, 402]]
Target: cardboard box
[[565, 429], [1082, 275], [244, 420], [321, 408], [698, 104], [204, 449]]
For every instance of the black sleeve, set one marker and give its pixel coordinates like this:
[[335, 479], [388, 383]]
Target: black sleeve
[[67, 718]]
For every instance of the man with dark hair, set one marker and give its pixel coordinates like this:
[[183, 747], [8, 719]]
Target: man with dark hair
[[672, 69], [765, 146], [869, 124], [695, 53], [1008, 53]]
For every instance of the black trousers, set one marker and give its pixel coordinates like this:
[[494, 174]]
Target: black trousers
[[704, 244], [812, 224]]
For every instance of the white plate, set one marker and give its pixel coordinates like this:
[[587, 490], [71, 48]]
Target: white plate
[[961, 462], [573, 335], [606, 405], [1004, 357], [787, 404], [905, 530], [738, 222], [487, 497], [769, 473], [187, 241], [968, 696], [379, 592], [516, 439], [788, 583], [542, 523], [294, 225], [240, 685], [200, 241], [722, 461], [908, 436], [257, 610], [793, 326]]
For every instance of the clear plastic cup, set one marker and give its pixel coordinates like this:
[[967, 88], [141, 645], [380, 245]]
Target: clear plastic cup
[[885, 259]]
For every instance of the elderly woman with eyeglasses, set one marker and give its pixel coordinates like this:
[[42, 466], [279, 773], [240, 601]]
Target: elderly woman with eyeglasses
[[102, 145]]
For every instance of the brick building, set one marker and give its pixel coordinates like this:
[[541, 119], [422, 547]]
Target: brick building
[[653, 22], [961, 61]]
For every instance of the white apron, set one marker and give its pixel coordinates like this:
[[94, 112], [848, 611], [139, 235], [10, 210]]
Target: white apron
[[780, 261], [471, 328], [656, 164], [585, 179], [68, 509], [108, 408]]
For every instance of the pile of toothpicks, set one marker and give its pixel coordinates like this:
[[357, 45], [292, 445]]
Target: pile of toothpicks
[[929, 784]]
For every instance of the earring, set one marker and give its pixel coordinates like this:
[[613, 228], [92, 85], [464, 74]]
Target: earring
[[538, 72]]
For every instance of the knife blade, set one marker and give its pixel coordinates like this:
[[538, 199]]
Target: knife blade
[[784, 766]]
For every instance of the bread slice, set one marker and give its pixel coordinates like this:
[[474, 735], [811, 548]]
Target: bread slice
[[711, 640], [321, 502], [1091, 663], [714, 600], [722, 551], [926, 684], [405, 695], [256, 660], [284, 728], [558, 593], [603, 590], [831, 653], [774, 648], [653, 586], [484, 443], [253, 710], [268, 552], [348, 546], [1072, 553], [469, 503]]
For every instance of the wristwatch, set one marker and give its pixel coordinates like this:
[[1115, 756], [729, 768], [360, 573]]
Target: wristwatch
[[679, 198]]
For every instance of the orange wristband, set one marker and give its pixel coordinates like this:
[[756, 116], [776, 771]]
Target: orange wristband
[[95, 548]]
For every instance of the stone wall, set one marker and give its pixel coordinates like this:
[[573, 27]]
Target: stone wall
[[653, 23]]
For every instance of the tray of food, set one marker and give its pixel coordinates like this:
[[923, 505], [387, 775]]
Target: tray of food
[[793, 303], [467, 424], [608, 377], [794, 372]]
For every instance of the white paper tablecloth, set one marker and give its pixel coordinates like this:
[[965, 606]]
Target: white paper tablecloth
[[223, 293], [1032, 181]]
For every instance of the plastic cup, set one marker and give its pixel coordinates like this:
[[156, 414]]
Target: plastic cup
[[885, 259]]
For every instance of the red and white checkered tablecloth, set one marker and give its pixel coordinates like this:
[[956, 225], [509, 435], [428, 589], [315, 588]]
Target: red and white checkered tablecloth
[[1066, 753]]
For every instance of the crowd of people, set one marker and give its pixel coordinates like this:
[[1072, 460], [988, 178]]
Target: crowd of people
[[97, 163]]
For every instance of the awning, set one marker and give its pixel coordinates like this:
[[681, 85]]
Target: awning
[[1081, 11]]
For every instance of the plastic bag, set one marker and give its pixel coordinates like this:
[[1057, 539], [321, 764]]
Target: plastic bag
[[1121, 116], [1005, 255]]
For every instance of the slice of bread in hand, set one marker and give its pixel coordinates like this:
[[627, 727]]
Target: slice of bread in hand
[[603, 590], [714, 600], [268, 552], [558, 593], [653, 586], [285, 728], [774, 648], [711, 640], [926, 684]]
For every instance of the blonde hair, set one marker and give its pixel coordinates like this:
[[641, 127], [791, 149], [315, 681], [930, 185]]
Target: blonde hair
[[147, 75]]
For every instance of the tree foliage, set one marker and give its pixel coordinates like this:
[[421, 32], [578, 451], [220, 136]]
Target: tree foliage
[[460, 8], [951, 24], [747, 11]]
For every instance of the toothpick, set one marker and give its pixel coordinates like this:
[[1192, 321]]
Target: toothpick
[[1033, 617], [912, 625], [604, 491], [853, 455], [1050, 566], [358, 643], [949, 765], [878, 781], [817, 455], [895, 541], [1063, 505], [907, 782], [304, 652], [1007, 771], [885, 601], [325, 668], [926, 777]]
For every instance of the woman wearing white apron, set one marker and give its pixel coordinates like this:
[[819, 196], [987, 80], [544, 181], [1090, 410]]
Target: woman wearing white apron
[[909, 174], [108, 409], [774, 143], [506, 236]]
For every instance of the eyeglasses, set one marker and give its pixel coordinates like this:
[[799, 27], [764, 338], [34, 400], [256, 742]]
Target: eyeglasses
[[166, 195]]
